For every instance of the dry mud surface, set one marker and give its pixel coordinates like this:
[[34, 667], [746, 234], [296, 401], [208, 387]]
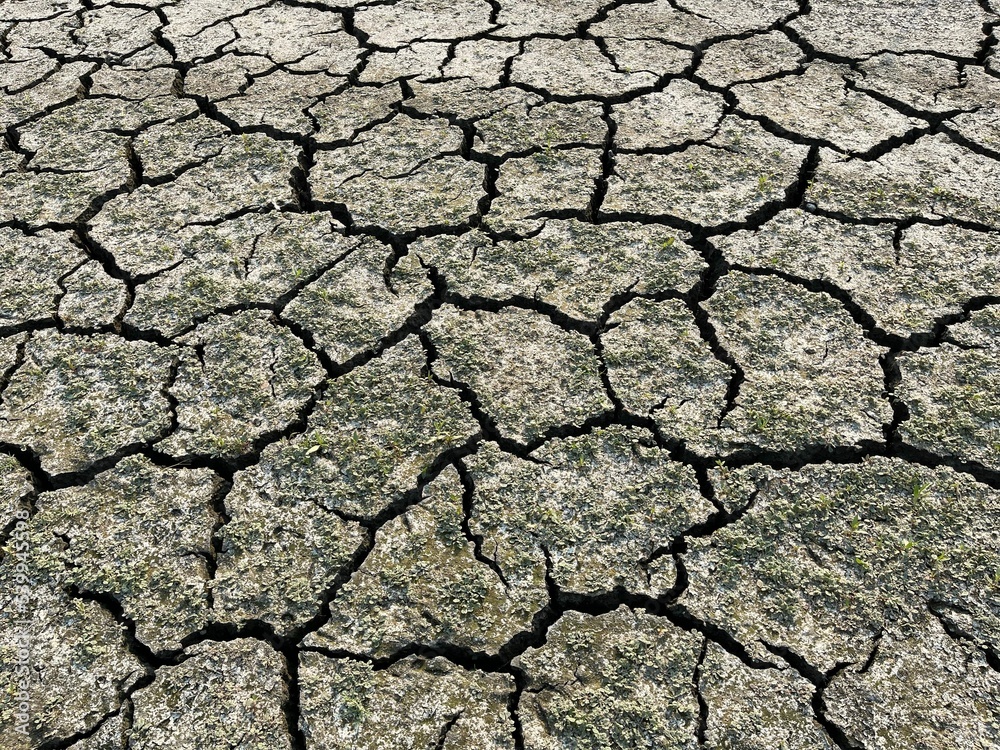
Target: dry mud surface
[[470, 374]]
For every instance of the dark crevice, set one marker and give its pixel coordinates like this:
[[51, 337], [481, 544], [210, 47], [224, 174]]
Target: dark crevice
[[858, 314], [940, 609], [873, 153], [300, 179], [560, 601], [490, 193], [505, 660], [870, 661], [110, 604], [495, 10], [707, 488], [992, 658], [223, 487], [796, 192], [969, 144], [680, 616], [67, 742], [468, 500], [716, 267], [900, 411], [508, 66], [292, 706], [469, 397], [607, 164], [514, 706], [678, 545], [979, 472], [702, 730], [445, 729], [604, 375], [989, 43], [821, 681], [7, 375], [517, 301]]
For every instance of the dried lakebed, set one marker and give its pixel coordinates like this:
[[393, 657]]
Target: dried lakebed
[[561, 375]]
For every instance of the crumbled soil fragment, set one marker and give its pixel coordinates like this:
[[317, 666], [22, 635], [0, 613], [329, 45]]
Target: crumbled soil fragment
[[756, 708], [279, 553], [942, 691], [80, 657], [350, 309], [228, 690], [740, 60], [623, 678], [92, 297], [531, 376], [658, 365], [810, 376], [737, 172], [141, 534], [857, 28], [574, 266], [372, 436], [952, 394], [246, 262], [679, 114], [817, 105], [77, 399], [412, 704], [597, 511], [32, 269], [423, 583], [906, 285], [931, 179], [828, 557], [247, 377]]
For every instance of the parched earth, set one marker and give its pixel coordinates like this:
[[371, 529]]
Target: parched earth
[[469, 374]]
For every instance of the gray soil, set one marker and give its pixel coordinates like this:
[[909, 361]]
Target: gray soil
[[474, 374]]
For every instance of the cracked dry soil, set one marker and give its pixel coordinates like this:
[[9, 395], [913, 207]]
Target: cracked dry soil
[[467, 374]]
